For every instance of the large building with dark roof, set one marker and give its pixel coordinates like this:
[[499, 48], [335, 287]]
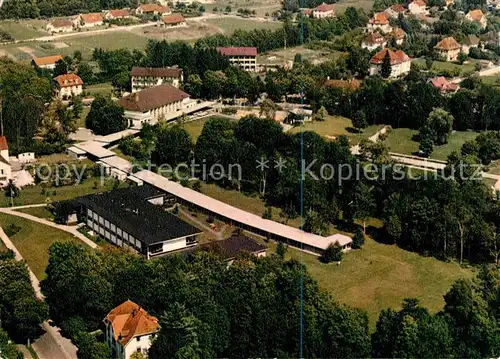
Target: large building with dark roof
[[134, 218], [145, 77], [153, 104]]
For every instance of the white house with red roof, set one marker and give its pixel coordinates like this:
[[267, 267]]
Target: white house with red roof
[[5, 168], [477, 16], [324, 10], [117, 14], [418, 7], [153, 9], [89, 20], [173, 20], [444, 85], [379, 21], [129, 329], [243, 57], [400, 62], [395, 10], [47, 62], [68, 85], [59, 25], [373, 41]]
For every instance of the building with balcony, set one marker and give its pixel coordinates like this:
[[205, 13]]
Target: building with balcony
[[145, 77], [133, 218], [68, 85], [243, 57], [154, 104]]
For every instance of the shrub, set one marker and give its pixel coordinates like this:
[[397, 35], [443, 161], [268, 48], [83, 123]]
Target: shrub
[[333, 253], [358, 240]]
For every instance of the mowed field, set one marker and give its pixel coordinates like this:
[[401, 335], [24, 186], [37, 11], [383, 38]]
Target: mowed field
[[228, 25], [24, 29], [33, 241]]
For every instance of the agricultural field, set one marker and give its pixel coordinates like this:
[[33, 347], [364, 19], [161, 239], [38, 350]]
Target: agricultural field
[[33, 240], [228, 25], [402, 140], [314, 56], [366, 5], [24, 29]]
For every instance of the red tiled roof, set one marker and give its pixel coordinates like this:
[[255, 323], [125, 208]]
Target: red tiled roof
[[475, 15], [173, 19], [374, 38], [154, 8], [307, 11], [3, 143], [379, 18], [129, 320], [325, 7], [156, 71], [397, 57], [47, 60], [346, 84], [68, 80], [419, 3], [447, 44], [119, 13], [398, 8], [443, 84], [238, 51], [62, 23], [153, 97], [92, 17]]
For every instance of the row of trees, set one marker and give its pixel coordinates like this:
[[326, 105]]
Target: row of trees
[[251, 309]]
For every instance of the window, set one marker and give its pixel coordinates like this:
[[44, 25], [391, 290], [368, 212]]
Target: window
[[139, 349], [138, 339]]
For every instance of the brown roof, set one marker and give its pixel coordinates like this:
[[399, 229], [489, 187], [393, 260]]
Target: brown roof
[[68, 80], [153, 97], [119, 13], [62, 23], [307, 11], [447, 44], [238, 51], [3, 143], [47, 60], [173, 19], [374, 38], [443, 84], [92, 17], [419, 3], [154, 8], [346, 84], [156, 72], [397, 57], [379, 18], [475, 15], [398, 8], [398, 33], [325, 7], [129, 320]]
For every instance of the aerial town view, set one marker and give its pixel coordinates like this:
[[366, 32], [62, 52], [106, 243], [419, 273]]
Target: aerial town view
[[249, 179]]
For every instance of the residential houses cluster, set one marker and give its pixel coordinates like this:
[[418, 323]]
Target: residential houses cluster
[[85, 21]]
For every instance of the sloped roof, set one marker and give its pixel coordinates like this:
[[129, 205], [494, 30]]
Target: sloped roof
[[398, 8], [447, 44], [130, 320], [154, 8], [173, 19], [47, 60], [3, 143], [153, 97], [156, 71], [238, 51], [374, 38], [443, 84], [397, 57], [62, 23], [325, 7], [475, 15], [379, 18], [119, 13], [398, 33], [420, 3], [68, 80], [92, 17]]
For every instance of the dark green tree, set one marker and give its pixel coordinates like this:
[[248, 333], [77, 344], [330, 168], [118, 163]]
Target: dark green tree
[[105, 116], [386, 69], [173, 146]]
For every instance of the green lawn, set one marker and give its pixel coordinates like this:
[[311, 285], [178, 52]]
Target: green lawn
[[400, 140], [229, 25], [83, 116], [33, 194], [40, 212], [33, 241], [380, 276], [491, 80], [104, 89], [195, 127], [364, 4], [21, 30], [443, 65]]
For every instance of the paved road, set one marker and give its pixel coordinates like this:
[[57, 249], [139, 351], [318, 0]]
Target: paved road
[[70, 229], [487, 72], [50, 345]]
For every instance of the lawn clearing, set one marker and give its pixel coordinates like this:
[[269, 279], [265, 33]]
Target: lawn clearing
[[103, 89], [21, 30], [33, 241], [380, 276], [40, 212], [491, 80], [228, 25], [401, 140], [195, 127], [341, 6], [447, 66]]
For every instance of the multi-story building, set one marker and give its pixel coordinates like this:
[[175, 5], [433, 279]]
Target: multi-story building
[[145, 77], [379, 21], [133, 218], [129, 329], [68, 85], [323, 11], [395, 10], [399, 61], [373, 41], [5, 167], [61, 25], [418, 7], [155, 104], [399, 35], [47, 62], [448, 49], [477, 16], [243, 57]]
